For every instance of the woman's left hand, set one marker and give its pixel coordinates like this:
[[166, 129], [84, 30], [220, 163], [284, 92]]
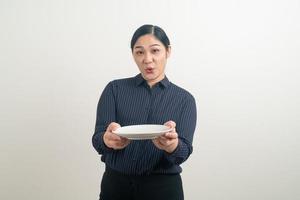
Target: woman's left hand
[[169, 141]]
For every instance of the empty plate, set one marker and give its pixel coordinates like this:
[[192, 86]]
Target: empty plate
[[142, 132]]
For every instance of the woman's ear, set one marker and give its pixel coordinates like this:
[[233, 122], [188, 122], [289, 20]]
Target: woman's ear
[[169, 51]]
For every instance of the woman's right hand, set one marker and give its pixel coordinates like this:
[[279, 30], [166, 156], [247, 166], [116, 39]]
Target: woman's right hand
[[112, 140]]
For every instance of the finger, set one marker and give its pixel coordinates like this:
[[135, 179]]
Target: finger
[[163, 141], [171, 135], [170, 124], [125, 140], [113, 126], [157, 143], [122, 143], [112, 136]]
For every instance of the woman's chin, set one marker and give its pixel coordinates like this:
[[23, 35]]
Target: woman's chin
[[149, 77]]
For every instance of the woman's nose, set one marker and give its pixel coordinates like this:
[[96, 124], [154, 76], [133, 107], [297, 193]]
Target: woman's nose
[[148, 58]]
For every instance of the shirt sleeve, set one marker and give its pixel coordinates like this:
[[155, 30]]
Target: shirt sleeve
[[106, 113], [185, 128]]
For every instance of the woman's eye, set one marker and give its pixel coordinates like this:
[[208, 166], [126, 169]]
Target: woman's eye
[[155, 50], [139, 53]]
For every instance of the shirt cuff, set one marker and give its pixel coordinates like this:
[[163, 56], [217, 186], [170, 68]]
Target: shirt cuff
[[179, 155], [103, 146]]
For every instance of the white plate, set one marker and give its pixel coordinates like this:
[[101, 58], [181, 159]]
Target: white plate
[[142, 132]]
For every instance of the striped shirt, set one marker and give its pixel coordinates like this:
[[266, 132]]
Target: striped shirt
[[131, 101]]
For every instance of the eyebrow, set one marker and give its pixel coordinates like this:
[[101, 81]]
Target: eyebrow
[[150, 46]]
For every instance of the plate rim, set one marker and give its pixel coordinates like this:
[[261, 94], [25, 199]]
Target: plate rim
[[154, 133]]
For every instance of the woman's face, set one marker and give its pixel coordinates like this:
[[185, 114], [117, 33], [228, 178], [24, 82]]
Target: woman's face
[[150, 55]]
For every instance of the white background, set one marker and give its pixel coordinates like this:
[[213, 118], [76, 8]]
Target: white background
[[240, 60]]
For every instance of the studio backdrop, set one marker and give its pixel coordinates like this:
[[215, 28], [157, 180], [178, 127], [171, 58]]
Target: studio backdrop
[[240, 60]]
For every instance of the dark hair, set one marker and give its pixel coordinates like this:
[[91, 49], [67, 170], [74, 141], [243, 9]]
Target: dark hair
[[158, 32]]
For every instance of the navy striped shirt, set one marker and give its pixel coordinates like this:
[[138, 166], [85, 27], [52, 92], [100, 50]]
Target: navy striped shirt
[[131, 101]]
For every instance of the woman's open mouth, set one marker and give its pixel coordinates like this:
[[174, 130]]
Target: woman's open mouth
[[149, 70]]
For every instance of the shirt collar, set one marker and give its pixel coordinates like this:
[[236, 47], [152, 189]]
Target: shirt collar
[[139, 80]]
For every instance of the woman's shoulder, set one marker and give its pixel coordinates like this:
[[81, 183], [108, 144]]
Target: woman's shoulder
[[122, 81], [179, 90]]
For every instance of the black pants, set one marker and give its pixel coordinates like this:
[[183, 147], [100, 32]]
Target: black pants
[[116, 186]]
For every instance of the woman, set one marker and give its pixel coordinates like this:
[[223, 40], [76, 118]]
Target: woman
[[145, 169]]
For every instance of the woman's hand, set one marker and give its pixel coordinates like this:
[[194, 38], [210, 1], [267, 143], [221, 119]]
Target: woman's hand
[[169, 141], [112, 140]]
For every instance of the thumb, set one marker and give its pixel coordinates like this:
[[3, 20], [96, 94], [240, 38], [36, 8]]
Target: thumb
[[113, 126], [170, 124]]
